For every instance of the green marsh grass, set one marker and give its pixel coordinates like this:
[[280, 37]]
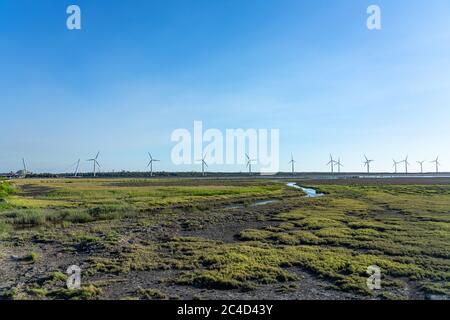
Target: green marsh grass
[[405, 230]]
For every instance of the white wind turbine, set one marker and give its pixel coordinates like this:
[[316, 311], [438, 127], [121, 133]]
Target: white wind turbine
[[395, 165], [249, 163], [339, 165], [76, 169], [436, 162], [292, 163], [331, 163], [367, 163], [95, 162], [25, 171], [421, 165], [406, 164], [150, 163], [203, 164]]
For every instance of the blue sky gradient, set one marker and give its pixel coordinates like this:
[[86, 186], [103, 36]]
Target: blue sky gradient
[[140, 69]]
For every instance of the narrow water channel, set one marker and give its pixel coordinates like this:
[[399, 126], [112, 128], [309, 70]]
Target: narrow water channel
[[310, 193]]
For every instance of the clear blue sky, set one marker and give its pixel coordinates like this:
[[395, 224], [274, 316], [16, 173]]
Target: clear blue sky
[[140, 69]]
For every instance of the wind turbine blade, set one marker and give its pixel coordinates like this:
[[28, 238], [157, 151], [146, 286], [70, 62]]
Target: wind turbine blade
[[97, 155]]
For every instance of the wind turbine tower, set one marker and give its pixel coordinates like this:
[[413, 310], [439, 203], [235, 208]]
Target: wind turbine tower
[[95, 162], [25, 171], [76, 170], [406, 164], [203, 164], [249, 164], [421, 165], [395, 165], [150, 163], [331, 163], [367, 163], [292, 162], [436, 162], [339, 165]]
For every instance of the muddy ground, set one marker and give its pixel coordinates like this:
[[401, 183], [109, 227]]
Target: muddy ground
[[221, 222]]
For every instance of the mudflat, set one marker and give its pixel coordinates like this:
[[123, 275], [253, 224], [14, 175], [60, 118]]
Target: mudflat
[[205, 239]]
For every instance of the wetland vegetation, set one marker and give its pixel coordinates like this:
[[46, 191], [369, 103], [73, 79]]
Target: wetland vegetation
[[203, 239]]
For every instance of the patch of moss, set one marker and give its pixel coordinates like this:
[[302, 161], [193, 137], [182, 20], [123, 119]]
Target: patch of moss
[[89, 292], [244, 267], [38, 292], [10, 294], [135, 257], [58, 276], [151, 294], [32, 257], [254, 235]]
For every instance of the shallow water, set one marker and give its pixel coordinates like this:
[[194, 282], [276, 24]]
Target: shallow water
[[310, 193], [254, 204], [263, 203]]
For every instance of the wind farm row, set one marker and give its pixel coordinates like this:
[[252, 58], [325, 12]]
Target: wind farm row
[[336, 166], [367, 163]]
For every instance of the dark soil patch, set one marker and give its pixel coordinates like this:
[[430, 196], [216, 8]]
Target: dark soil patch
[[32, 190]]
